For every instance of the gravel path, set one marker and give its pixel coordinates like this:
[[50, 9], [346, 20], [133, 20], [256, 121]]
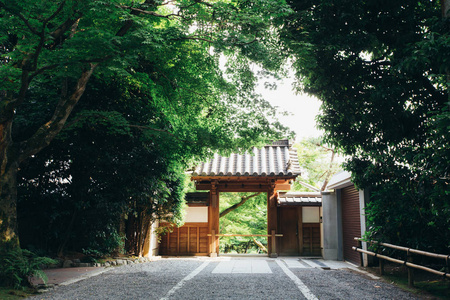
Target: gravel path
[[206, 278]]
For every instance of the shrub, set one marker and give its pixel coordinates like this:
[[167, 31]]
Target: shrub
[[19, 265]]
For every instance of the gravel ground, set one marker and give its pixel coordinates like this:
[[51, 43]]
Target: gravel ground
[[193, 279]]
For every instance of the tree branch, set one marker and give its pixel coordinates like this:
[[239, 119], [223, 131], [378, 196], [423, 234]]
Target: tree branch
[[20, 16], [153, 129], [57, 11], [41, 70], [233, 207], [204, 3], [147, 12], [327, 178], [47, 132], [194, 38]]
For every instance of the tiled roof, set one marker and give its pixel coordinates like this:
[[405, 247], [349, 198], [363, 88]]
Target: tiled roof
[[277, 159], [299, 199]]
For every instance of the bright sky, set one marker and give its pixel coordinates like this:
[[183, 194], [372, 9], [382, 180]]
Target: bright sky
[[303, 109]]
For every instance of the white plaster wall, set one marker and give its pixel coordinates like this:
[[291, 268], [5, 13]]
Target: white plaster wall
[[310, 215], [196, 215]]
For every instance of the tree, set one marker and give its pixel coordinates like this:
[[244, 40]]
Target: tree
[[250, 218], [380, 68], [59, 47], [318, 164], [74, 193]]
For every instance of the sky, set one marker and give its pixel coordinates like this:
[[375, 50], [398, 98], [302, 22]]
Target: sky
[[303, 109]]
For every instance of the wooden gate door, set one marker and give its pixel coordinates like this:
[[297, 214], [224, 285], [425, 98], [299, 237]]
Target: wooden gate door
[[298, 238], [311, 239], [288, 219]]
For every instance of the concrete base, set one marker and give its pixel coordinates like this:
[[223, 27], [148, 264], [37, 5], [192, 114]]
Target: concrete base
[[273, 255], [330, 254], [213, 255]]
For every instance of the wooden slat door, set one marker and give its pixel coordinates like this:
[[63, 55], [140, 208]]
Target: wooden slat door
[[311, 239], [351, 223]]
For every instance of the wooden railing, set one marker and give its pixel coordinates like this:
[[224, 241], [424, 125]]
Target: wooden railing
[[409, 259], [272, 236]]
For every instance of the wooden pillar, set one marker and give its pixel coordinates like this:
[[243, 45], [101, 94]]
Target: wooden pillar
[[300, 230], [213, 219], [272, 218]]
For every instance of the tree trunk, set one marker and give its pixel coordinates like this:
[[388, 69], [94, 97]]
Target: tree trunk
[[12, 154], [8, 208], [260, 245], [62, 247], [8, 186], [330, 168], [130, 241], [445, 5]]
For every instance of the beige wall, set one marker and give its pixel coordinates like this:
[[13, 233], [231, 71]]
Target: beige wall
[[196, 214], [311, 214]]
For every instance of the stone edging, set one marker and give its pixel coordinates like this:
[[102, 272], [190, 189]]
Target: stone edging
[[76, 263]]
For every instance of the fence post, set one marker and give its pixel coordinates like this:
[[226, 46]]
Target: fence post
[[447, 263], [274, 249], [381, 264], [409, 258], [361, 255]]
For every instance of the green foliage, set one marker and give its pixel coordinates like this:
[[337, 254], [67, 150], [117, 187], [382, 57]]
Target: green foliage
[[105, 243], [250, 218], [17, 266], [155, 102], [163, 230], [100, 170], [315, 162], [381, 71]]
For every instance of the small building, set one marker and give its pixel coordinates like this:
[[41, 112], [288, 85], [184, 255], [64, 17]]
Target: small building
[[269, 169], [300, 222], [343, 219]]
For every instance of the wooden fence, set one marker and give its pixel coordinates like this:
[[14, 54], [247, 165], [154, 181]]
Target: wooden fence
[[213, 235], [409, 259]]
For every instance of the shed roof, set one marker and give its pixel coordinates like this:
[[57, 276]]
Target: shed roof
[[277, 159], [299, 199], [340, 180]]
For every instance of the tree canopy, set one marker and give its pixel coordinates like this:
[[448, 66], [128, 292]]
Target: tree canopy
[[249, 218], [318, 164], [164, 55], [381, 70]]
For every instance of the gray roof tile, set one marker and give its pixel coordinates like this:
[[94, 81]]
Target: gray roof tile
[[299, 199], [277, 159]]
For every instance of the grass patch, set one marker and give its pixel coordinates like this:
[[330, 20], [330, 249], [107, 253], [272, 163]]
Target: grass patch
[[425, 283], [439, 288], [10, 294]]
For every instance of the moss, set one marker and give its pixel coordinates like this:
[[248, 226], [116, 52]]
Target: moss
[[10, 294]]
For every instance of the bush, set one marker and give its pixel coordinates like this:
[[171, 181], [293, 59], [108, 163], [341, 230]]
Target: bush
[[19, 265]]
